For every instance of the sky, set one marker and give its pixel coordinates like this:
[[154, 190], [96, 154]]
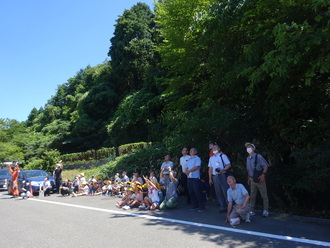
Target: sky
[[44, 43]]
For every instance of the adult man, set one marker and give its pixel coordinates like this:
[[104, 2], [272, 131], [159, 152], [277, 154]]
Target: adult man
[[171, 196], [255, 165], [65, 188], [238, 194], [14, 170], [26, 189], [45, 187], [166, 165], [137, 178], [125, 178], [58, 176], [218, 166], [194, 183], [183, 162]]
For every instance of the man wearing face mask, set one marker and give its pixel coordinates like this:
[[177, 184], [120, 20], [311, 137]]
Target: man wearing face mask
[[257, 167], [218, 166]]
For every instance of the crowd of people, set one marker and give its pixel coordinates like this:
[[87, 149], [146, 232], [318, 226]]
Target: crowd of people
[[151, 193]]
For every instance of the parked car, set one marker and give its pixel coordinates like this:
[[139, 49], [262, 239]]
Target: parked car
[[4, 177], [35, 177]]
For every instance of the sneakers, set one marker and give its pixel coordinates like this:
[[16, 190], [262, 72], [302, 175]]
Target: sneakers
[[142, 207], [234, 221], [248, 218], [265, 213], [126, 207], [252, 213]]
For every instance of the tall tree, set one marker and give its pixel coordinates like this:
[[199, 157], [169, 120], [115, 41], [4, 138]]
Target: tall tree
[[132, 48]]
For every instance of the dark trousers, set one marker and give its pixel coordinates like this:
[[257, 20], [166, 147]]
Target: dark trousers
[[47, 192], [58, 183], [195, 191], [65, 192], [184, 184]]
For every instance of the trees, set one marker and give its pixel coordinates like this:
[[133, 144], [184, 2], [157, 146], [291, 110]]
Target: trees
[[132, 48]]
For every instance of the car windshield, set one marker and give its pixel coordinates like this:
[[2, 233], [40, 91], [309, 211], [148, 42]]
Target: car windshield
[[34, 174], [4, 173]]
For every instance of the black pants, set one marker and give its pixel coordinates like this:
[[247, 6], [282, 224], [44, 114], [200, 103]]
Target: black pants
[[47, 192], [196, 194], [65, 192], [58, 183], [184, 184]]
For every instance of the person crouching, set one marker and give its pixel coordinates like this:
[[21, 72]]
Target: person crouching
[[238, 194]]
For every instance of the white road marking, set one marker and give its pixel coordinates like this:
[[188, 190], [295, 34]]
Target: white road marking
[[258, 234]]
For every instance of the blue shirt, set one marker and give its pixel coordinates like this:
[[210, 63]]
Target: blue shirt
[[193, 162], [237, 195], [250, 160]]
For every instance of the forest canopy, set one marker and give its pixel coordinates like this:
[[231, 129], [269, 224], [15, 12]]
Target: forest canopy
[[190, 72]]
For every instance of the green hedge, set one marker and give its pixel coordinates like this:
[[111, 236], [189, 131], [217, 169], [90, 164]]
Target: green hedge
[[129, 148], [91, 155]]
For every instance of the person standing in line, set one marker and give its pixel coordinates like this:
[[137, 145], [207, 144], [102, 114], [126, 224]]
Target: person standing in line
[[183, 162], [194, 184], [218, 166], [58, 176], [257, 167], [165, 165], [211, 144], [14, 170]]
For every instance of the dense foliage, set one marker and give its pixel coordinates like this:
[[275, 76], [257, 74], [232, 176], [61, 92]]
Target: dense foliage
[[193, 71]]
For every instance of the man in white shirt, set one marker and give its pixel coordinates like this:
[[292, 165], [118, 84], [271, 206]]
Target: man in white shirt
[[165, 165], [183, 181], [45, 186], [218, 166]]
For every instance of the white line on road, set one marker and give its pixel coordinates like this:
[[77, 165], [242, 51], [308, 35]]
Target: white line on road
[[259, 234]]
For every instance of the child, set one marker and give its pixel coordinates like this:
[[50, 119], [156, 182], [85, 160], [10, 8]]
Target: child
[[138, 201], [125, 199], [152, 200], [83, 191]]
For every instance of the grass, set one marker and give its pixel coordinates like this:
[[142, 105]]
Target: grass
[[71, 174]]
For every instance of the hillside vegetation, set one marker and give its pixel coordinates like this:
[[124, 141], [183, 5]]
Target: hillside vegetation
[[190, 72]]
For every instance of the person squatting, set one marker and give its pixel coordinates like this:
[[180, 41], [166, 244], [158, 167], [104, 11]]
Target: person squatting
[[151, 193]]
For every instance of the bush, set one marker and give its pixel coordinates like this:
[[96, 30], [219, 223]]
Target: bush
[[142, 161], [129, 148]]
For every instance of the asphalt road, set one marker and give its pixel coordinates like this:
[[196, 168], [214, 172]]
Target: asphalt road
[[94, 221]]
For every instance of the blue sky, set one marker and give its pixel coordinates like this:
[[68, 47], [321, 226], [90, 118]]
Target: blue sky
[[44, 43]]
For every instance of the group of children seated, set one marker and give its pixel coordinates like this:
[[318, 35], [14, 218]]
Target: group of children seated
[[151, 195], [148, 194]]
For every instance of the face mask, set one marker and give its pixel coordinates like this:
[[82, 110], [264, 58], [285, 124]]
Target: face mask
[[215, 152], [249, 150]]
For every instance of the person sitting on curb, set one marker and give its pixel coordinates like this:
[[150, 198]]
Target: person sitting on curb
[[152, 200], [65, 188], [83, 191], [171, 196], [238, 194], [139, 196], [125, 200], [26, 190], [45, 187]]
